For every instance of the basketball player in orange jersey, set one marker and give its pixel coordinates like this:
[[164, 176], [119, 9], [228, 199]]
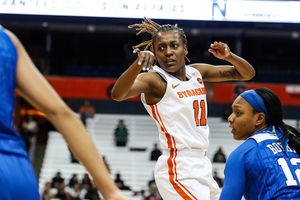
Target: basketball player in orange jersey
[[174, 95]]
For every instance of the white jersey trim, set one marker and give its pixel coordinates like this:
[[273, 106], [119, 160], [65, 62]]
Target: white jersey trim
[[265, 136]]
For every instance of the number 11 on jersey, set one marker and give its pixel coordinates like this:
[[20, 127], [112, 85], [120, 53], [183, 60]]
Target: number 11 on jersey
[[202, 108]]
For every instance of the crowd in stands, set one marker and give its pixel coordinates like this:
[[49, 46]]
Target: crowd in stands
[[86, 189], [74, 190]]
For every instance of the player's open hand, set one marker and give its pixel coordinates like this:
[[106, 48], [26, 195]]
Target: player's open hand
[[220, 50], [146, 59]]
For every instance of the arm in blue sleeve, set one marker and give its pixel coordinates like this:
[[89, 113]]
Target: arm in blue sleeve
[[235, 176]]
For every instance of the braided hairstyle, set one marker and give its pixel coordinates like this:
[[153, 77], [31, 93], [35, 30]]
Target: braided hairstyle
[[274, 109], [153, 28]]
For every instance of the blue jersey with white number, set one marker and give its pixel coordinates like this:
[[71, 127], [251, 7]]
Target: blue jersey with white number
[[261, 169]]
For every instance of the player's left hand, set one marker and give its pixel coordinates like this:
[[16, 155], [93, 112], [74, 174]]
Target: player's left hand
[[220, 50]]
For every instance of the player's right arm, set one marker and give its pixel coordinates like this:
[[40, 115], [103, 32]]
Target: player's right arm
[[131, 83]]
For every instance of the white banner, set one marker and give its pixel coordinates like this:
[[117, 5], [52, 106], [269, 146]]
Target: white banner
[[214, 10]]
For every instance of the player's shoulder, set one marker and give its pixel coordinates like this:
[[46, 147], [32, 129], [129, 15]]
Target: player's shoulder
[[244, 148]]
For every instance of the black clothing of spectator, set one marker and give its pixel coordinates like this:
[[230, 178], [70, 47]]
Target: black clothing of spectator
[[155, 153], [219, 156]]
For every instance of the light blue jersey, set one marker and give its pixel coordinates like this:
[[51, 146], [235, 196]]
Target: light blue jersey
[[262, 169], [17, 177]]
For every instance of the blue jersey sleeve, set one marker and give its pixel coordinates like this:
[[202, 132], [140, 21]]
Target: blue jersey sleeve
[[235, 176]]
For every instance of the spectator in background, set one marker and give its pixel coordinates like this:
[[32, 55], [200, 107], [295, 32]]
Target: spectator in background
[[30, 127], [153, 190], [155, 153], [57, 180], [120, 182], [68, 196], [86, 111], [219, 156], [152, 195], [225, 114], [46, 195], [218, 179], [86, 181], [121, 134], [61, 191], [77, 192], [73, 181], [93, 193], [298, 125]]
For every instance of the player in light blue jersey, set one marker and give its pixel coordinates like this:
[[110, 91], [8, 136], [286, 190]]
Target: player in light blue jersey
[[267, 164], [17, 178]]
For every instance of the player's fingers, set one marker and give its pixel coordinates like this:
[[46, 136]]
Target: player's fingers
[[151, 61], [137, 51], [141, 59], [225, 46], [214, 45], [147, 62]]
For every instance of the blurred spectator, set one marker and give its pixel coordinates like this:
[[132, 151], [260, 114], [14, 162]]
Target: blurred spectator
[[30, 128], [68, 196], [86, 111], [106, 164], [219, 156], [298, 125], [57, 180], [93, 193], [73, 180], [226, 113], [86, 182], [218, 179], [152, 195], [121, 134], [153, 190], [77, 192], [61, 191], [120, 182], [155, 153], [47, 195]]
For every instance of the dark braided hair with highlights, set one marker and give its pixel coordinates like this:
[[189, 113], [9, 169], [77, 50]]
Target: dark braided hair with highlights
[[153, 28], [274, 109]]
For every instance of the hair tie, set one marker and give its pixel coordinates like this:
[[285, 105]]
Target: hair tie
[[255, 101]]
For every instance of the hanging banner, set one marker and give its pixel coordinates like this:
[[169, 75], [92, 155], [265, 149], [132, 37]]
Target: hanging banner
[[212, 10]]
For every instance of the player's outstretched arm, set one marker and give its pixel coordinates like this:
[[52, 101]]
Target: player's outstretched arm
[[239, 70], [37, 91]]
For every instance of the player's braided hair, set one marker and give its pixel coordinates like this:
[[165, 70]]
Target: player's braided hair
[[153, 28]]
